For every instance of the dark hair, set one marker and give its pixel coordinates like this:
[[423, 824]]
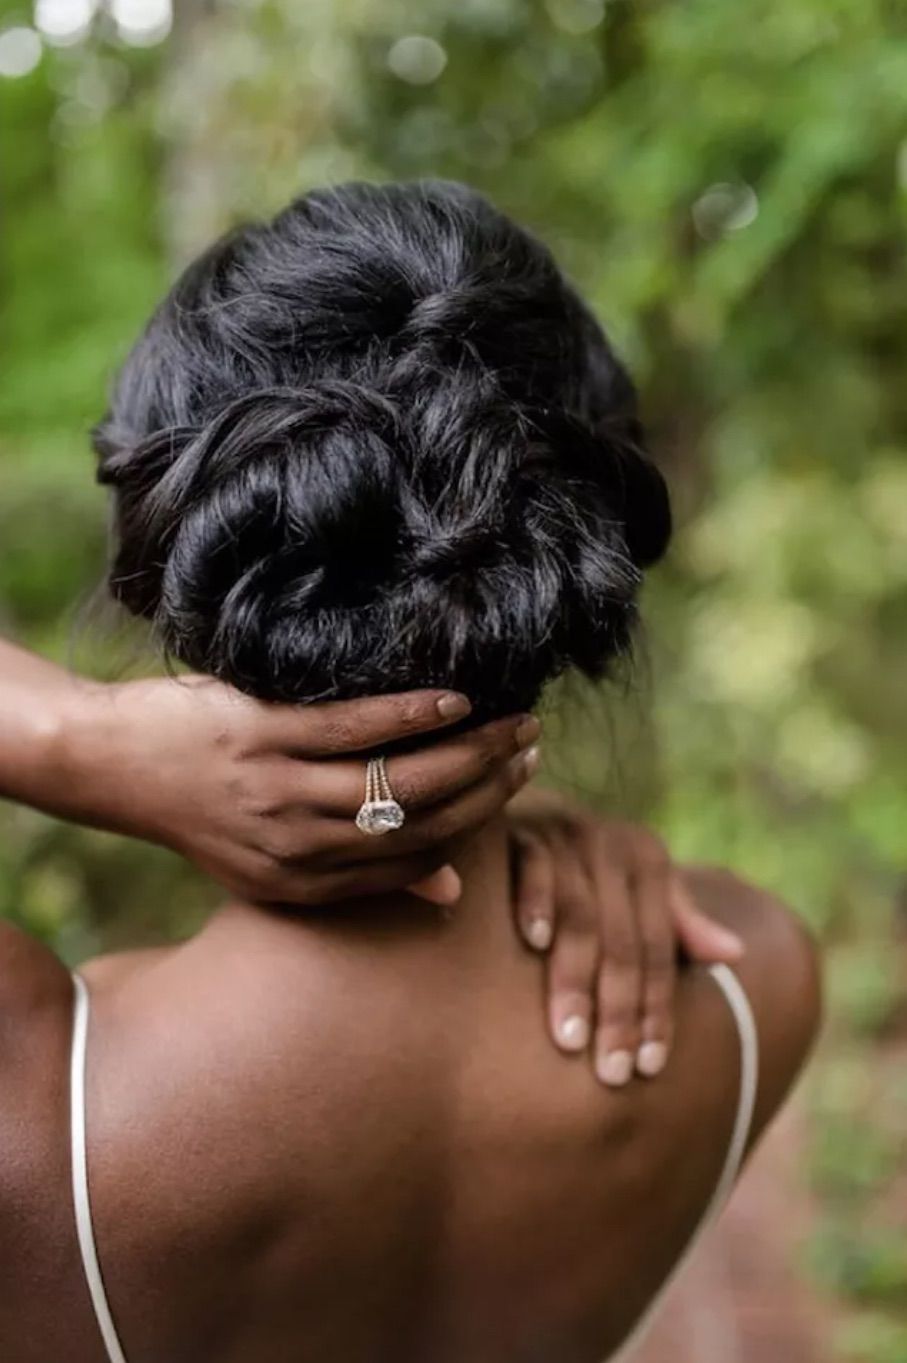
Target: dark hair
[[379, 443]]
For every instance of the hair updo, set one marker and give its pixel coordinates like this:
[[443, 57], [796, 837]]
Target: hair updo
[[379, 443]]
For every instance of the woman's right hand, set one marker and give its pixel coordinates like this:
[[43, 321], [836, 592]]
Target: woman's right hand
[[263, 797]]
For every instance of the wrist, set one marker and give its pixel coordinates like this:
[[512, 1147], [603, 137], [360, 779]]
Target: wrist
[[101, 761], [76, 748], [35, 737]]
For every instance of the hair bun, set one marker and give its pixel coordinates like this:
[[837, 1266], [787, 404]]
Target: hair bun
[[280, 483], [380, 444]]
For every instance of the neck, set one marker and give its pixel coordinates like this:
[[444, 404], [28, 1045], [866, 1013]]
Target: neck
[[483, 863]]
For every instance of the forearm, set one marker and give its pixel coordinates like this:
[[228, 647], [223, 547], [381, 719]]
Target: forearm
[[40, 705]]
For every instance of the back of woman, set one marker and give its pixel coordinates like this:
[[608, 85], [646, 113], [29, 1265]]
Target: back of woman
[[354, 1141], [375, 444]]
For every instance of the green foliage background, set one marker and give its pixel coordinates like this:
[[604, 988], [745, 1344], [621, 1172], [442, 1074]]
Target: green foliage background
[[728, 184]]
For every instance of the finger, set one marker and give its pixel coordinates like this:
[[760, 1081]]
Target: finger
[[659, 965], [700, 936], [342, 843], [432, 775], [421, 779], [355, 882], [333, 727], [533, 889], [443, 888], [619, 984], [573, 960]]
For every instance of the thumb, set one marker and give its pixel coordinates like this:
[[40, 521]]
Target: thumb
[[442, 887], [700, 936]]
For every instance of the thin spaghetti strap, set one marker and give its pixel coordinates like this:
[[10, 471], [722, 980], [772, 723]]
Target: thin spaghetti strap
[[80, 1194], [739, 1005], [742, 1012]]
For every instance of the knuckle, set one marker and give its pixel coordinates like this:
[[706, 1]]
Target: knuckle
[[659, 956], [443, 824], [616, 1008], [337, 732], [478, 758], [240, 745], [410, 788], [573, 960], [246, 796], [263, 809], [410, 713], [622, 952], [495, 741], [576, 899], [225, 741], [280, 846]]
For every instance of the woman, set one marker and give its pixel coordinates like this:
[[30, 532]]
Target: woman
[[376, 444]]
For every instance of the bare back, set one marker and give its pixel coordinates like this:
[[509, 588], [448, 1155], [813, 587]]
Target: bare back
[[351, 1140]]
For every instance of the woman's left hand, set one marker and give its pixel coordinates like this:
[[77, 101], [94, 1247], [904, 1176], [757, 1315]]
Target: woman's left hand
[[611, 910]]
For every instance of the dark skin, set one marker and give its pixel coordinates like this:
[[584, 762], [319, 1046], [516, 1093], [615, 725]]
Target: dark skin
[[262, 798], [347, 1139]]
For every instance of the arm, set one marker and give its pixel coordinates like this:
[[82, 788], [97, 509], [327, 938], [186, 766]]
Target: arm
[[261, 797], [35, 699]]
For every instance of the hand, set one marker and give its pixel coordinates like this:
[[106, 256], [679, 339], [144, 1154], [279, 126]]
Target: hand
[[263, 797], [606, 903]]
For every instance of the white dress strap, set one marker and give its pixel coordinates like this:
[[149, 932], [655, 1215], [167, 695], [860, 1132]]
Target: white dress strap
[[80, 1193], [742, 1012]]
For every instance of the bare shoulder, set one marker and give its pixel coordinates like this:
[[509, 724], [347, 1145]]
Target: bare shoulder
[[32, 978], [778, 942], [780, 973], [36, 995], [35, 1240]]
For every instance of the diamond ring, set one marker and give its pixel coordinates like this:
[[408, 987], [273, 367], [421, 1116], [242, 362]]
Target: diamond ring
[[379, 813]]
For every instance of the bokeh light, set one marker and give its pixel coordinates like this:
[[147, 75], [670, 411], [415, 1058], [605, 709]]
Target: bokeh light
[[576, 16], [417, 59], [20, 51], [64, 22], [142, 23], [725, 208]]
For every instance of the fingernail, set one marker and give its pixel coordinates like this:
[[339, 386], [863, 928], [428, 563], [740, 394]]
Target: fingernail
[[443, 887], [523, 767], [454, 706], [447, 885], [651, 1058], [614, 1068], [732, 944], [573, 1033], [528, 731], [539, 933]]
